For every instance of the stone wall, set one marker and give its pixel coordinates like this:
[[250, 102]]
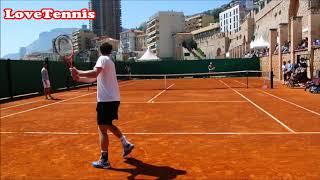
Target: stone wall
[[314, 25], [304, 12], [178, 39], [244, 35], [316, 63], [274, 13], [213, 46], [264, 64], [276, 66], [286, 57]]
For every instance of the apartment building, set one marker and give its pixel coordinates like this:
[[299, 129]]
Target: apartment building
[[81, 40], [231, 19], [128, 41], [198, 21], [160, 30], [108, 18]]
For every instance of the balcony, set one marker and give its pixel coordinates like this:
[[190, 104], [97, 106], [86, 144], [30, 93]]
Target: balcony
[[149, 40], [152, 44], [153, 40], [153, 28], [153, 33], [152, 22], [153, 49]]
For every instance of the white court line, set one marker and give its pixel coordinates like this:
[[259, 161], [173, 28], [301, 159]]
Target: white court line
[[31, 102], [160, 93], [161, 102], [21, 95], [292, 103], [164, 133], [39, 107], [22, 104], [274, 118], [130, 83]]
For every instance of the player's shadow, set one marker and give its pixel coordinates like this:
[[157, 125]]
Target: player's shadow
[[159, 172], [56, 99]]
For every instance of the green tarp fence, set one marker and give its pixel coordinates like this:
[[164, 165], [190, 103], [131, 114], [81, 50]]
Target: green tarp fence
[[22, 77], [188, 66]]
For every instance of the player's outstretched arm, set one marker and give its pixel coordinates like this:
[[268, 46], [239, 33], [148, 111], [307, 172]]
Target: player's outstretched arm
[[86, 80], [86, 74]]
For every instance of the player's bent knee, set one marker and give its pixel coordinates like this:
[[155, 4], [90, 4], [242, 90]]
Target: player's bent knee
[[103, 128]]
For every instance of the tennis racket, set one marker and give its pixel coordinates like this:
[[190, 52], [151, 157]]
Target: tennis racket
[[64, 47]]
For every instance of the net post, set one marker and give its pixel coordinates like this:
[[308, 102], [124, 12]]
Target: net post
[[247, 74], [271, 79], [165, 81]]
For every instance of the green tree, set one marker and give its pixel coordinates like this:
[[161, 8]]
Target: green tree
[[142, 27], [189, 44]]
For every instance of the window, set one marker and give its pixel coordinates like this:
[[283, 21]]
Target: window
[[230, 20]]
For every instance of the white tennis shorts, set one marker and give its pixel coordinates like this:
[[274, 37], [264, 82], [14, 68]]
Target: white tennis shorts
[[46, 84]]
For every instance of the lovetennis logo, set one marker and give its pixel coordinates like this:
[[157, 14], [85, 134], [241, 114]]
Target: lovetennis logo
[[48, 14]]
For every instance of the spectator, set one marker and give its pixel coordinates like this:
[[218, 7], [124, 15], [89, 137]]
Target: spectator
[[289, 69], [316, 42], [303, 44], [284, 72]]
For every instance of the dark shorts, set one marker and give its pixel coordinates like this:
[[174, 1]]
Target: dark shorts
[[285, 76], [107, 112]]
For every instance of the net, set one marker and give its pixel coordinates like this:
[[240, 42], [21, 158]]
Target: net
[[196, 81]]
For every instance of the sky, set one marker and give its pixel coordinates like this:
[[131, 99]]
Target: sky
[[20, 33]]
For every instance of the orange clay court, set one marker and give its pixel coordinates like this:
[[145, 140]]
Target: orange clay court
[[193, 129]]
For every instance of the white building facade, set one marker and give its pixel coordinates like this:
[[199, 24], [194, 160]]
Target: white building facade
[[160, 30], [230, 19]]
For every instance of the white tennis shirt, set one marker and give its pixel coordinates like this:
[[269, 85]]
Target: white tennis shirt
[[107, 83]]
